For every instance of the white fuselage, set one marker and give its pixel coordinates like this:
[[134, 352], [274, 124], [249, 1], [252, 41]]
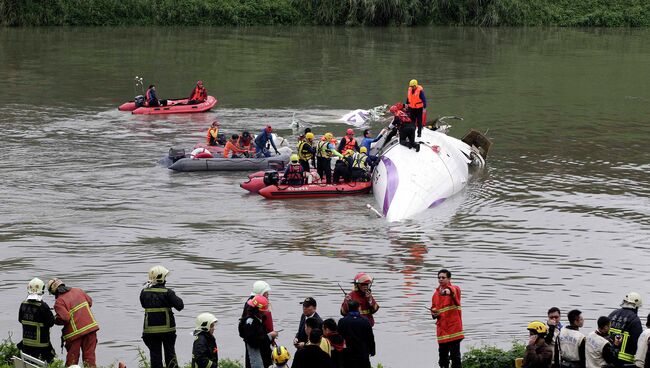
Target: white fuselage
[[407, 182]]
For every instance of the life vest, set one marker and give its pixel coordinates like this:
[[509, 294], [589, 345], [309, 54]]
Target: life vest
[[350, 144], [359, 161], [366, 307], [594, 344], [199, 94], [36, 323], [75, 304], [244, 143], [295, 173], [403, 117], [570, 341], [449, 324], [323, 150], [148, 96], [304, 152], [415, 102], [212, 136], [201, 153]]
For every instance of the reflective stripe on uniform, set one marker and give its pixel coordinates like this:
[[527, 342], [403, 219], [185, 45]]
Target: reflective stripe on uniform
[[451, 307], [450, 336], [162, 328], [37, 341], [77, 331]]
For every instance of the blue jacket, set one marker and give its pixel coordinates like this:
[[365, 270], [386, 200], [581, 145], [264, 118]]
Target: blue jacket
[[264, 137], [368, 141]]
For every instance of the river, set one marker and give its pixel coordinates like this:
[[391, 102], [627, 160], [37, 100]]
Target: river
[[560, 217]]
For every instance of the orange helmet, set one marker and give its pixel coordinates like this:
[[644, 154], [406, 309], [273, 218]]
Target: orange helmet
[[269, 128], [260, 302], [349, 132], [362, 278]]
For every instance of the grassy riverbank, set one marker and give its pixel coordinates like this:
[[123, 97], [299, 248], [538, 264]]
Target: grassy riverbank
[[572, 13]]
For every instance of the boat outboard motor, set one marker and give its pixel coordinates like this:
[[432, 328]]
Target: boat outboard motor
[[139, 101], [271, 177], [176, 154]]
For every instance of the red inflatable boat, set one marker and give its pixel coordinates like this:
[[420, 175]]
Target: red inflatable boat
[[256, 182], [173, 107], [315, 190]]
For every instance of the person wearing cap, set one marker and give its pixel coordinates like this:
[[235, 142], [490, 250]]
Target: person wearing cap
[[36, 319], [159, 327], [368, 140], [308, 311], [198, 95], [626, 322], [312, 356], [446, 311], [212, 138], [294, 174], [261, 141], [306, 151], [72, 308], [205, 353], [256, 339], [362, 294], [538, 353], [358, 335], [417, 104], [348, 142]]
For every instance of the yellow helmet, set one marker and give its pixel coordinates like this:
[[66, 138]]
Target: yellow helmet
[[280, 355], [539, 327], [413, 83], [328, 136], [158, 274], [36, 286], [363, 150], [309, 135], [294, 158]]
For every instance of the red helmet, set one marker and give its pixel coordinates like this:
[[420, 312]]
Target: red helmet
[[260, 302], [200, 82], [362, 278], [349, 132], [269, 129]]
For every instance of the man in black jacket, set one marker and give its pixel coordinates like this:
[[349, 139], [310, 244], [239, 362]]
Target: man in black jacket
[[627, 324], [359, 339], [205, 353], [159, 329], [312, 356], [308, 311]]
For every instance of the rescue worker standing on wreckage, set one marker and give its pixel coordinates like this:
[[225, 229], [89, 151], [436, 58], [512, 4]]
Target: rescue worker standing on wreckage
[[362, 295], [159, 329], [72, 307]]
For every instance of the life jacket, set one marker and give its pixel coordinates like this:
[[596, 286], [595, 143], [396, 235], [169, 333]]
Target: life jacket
[[199, 94], [158, 315], [148, 96], [212, 136], [323, 150], [36, 318], [244, 143], [350, 144], [415, 102], [75, 304], [295, 173], [403, 117], [449, 324], [304, 152], [359, 161]]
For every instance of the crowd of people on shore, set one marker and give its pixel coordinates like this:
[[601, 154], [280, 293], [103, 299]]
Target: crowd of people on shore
[[348, 342], [619, 340]]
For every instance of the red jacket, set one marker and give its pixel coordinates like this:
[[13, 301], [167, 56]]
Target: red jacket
[[73, 312], [449, 324], [367, 305], [199, 94]]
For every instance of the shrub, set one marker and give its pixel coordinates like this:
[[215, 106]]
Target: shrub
[[493, 357]]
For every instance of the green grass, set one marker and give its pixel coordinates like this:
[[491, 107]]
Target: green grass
[[571, 13], [493, 357]]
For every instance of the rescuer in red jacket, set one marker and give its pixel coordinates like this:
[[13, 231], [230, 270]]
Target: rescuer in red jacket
[[446, 311]]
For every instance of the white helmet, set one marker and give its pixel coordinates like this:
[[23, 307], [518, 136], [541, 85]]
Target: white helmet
[[36, 286], [633, 298], [204, 321], [157, 274], [74, 366], [261, 287]]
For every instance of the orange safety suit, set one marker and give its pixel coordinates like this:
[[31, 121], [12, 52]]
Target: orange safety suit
[[212, 136], [79, 325], [231, 147], [199, 94], [367, 305], [415, 102], [449, 324]]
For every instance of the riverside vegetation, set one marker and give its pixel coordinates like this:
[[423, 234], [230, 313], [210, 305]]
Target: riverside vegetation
[[569, 13]]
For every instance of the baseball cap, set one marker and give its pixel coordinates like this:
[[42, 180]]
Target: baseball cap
[[309, 301]]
